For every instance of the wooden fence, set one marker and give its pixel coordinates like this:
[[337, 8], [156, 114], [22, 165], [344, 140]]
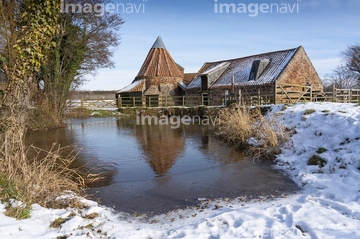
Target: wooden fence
[[285, 94], [107, 104], [339, 95], [166, 101]]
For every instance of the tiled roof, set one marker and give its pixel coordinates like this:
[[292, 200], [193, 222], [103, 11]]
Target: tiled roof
[[240, 69], [188, 77], [135, 86], [159, 63]]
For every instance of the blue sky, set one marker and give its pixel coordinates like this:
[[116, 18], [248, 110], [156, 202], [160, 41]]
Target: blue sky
[[193, 33]]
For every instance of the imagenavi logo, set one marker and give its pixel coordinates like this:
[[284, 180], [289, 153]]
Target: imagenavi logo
[[99, 9], [255, 9]]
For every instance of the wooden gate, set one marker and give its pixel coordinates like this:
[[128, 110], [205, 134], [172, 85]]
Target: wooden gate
[[290, 93]]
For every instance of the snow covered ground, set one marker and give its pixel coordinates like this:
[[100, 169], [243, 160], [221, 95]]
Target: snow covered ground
[[327, 207]]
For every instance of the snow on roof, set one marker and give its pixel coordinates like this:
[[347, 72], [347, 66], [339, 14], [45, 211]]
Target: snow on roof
[[240, 68], [207, 69], [215, 68], [182, 85], [133, 87]]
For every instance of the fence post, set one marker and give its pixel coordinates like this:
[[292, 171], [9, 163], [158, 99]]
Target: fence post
[[118, 101], [240, 96], [275, 93], [311, 94], [259, 99], [81, 103], [225, 98], [334, 94], [183, 100]]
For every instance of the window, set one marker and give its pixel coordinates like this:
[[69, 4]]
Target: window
[[204, 83], [257, 68]]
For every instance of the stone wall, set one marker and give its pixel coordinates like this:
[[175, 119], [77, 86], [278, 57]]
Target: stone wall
[[166, 85], [248, 95]]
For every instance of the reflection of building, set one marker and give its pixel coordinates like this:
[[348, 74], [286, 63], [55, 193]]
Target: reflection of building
[[162, 146]]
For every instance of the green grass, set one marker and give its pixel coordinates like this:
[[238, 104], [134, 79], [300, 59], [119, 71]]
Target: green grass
[[8, 189], [309, 111], [316, 160], [58, 222], [21, 212], [321, 150]]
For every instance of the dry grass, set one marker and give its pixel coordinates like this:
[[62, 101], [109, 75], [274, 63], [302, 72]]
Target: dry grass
[[249, 129], [236, 126], [40, 179]]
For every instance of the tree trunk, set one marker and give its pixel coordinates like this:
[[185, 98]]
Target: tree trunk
[[13, 118]]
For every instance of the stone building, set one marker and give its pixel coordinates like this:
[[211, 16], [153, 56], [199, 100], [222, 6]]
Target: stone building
[[256, 77], [159, 77]]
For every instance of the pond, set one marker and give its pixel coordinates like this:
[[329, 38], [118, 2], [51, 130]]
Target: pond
[[155, 169]]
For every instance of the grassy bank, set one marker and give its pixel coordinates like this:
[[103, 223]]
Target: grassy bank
[[40, 179]]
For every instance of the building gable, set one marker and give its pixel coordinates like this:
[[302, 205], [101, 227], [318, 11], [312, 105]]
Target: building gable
[[301, 71]]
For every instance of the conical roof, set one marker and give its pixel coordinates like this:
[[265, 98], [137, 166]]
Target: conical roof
[[158, 43], [159, 63]]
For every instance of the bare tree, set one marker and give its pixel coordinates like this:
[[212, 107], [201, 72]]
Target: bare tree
[[352, 57], [342, 78]]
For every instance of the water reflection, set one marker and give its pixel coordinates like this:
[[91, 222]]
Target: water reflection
[[157, 168], [161, 145]]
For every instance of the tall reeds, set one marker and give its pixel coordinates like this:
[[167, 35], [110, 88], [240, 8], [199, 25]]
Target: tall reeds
[[249, 129], [39, 179]]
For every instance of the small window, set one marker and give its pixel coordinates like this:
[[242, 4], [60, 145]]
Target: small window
[[257, 68], [204, 83]]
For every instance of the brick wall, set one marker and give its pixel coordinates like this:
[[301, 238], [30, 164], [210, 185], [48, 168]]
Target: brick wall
[[300, 71]]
